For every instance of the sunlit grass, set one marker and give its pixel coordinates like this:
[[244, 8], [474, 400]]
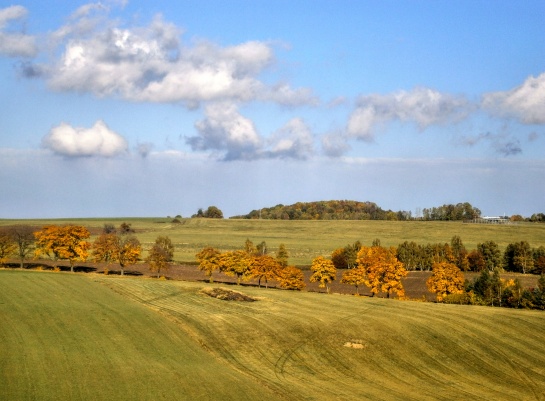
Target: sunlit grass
[[72, 336]]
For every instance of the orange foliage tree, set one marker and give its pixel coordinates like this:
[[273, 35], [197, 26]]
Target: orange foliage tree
[[446, 278], [382, 269], [63, 242], [121, 248], [291, 278], [264, 267], [208, 259], [324, 272]]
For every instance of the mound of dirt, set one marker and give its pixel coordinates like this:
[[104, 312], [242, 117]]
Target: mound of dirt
[[227, 295]]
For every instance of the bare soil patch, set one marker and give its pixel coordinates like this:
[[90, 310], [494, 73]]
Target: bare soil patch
[[227, 295]]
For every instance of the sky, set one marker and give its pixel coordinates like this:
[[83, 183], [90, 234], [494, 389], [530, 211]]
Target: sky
[[159, 108]]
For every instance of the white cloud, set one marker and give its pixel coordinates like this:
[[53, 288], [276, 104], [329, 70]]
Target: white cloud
[[235, 137], [525, 102], [335, 144], [294, 140], [422, 106], [225, 129], [98, 140], [152, 64], [15, 44]]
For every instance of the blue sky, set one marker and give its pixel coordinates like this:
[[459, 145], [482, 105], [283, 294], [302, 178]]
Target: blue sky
[[140, 108]]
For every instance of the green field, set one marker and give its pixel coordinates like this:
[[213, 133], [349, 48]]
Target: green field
[[95, 337], [307, 239]]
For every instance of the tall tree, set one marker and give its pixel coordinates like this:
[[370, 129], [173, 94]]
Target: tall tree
[[264, 267], [282, 255], [355, 277], [208, 259], [476, 261], [236, 263], [338, 257], [491, 254], [518, 257], [409, 253], [446, 279], [459, 253], [382, 269], [160, 255], [64, 242], [121, 248], [291, 278], [324, 272], [23, 236]]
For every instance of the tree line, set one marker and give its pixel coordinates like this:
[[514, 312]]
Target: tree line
[[379, 268], [355, 210], [70, 243], [252, 262], [518, 257], [448, 262]]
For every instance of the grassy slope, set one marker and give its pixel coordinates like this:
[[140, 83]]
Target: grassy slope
[[65, 336], [413, 351], [308, 239]]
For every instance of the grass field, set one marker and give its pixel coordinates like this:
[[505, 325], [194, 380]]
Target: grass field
[[80, 337], [306, 239]]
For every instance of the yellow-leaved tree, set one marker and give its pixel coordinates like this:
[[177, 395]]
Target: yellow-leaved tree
[[355, 277], [63, 243], [324, 272], [208, 259], [236, 263], [291, 278], [160, 255], [446, 278], [382, 269], [122, 248]]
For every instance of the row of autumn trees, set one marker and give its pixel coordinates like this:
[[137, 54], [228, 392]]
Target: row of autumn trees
[[517, 257], [70, 243], [252, 262]]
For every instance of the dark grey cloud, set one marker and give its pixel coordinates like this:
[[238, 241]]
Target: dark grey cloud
[[502, 143]]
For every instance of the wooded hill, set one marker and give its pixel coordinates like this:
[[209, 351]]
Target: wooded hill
[[355, 210]]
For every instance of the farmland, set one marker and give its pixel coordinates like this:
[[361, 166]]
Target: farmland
[[75, 336], [305, 239]]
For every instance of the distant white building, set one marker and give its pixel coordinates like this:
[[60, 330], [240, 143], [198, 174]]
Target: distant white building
[[492, 220]]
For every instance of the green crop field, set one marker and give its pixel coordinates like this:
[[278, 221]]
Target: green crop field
[[306, 239], [95, 337]]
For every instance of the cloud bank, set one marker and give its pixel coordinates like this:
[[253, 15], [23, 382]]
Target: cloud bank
[[422, 106], [153, 64], [99, 140]]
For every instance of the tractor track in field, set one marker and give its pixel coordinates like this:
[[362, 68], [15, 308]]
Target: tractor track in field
[[174, 304], [314, 337]]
